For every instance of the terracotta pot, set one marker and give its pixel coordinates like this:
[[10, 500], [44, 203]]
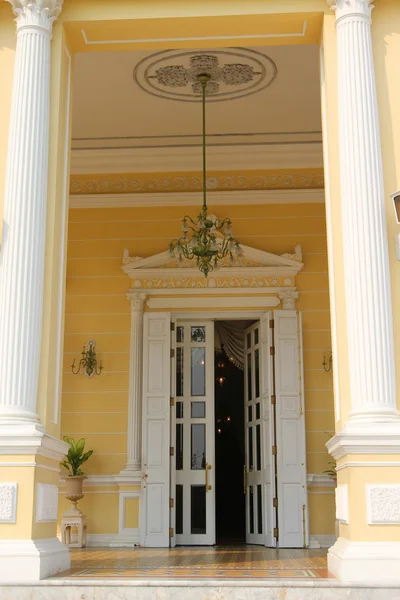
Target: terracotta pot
[[74, 488]]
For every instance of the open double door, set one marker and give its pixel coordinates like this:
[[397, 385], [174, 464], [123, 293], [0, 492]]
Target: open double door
[[178, 491]]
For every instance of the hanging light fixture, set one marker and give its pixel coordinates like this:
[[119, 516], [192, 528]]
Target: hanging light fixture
[[207, 240]]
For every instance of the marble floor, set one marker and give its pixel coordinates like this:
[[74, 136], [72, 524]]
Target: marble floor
[[238, 562]]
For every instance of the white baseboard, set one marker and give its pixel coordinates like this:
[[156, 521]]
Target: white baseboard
[[321, 540], [110, 540], [31, 560], [366, 562]]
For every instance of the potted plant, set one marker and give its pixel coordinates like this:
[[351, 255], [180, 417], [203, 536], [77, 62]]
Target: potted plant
[[73, 462]]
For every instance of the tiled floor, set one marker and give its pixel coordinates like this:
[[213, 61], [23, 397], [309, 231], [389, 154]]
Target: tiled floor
[[197, 562]]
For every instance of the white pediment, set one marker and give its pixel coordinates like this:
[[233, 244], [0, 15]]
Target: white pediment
[[256, 271]]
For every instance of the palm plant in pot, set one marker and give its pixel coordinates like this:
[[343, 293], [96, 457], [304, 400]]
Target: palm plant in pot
[[73, 462]]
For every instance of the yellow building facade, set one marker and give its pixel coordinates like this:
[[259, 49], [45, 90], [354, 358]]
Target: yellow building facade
[[98, 166]]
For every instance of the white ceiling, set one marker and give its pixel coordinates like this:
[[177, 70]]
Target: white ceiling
[[108, 103]]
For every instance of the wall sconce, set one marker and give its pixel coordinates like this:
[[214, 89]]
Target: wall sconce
[[88, 361], [327, 363], [221, 380], [396, 204]]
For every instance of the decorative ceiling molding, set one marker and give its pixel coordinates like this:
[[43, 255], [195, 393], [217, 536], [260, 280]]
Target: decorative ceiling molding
[[227, 157], [289, 196], [192, 182], [234, 73]]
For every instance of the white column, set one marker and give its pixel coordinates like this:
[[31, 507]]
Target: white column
[[365, 248], [137, 300], [22, 257]]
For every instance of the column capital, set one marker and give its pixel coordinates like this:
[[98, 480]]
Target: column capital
[[39, 14], [289, 298], [137, 300], [351, 8]]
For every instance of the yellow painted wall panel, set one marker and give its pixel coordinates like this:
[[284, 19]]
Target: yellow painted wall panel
[[312, 281], [317, 339], [311, 300], [97, 323], [105, 343], [318, 462], [316, 263], [91, 267], [97, 285], [322, 513], [318, 420], [313, 358], [104, 464], [319, 399], [95, 422], [132, 513], [111, 304], [318, 379], [316, 319], [95, 402], [315, 441], [107, 382]]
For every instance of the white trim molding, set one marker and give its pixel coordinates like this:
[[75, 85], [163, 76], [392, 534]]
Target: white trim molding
[[126, 531], [30, 439], [46, 503], [111, 540], [31, 560], [320, 480], [383, 504], [229, 198], [365, 562], [322, 540], [381, 438], [342, 503]]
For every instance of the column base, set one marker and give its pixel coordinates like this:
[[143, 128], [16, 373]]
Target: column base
[[365, 562], [31, 560]]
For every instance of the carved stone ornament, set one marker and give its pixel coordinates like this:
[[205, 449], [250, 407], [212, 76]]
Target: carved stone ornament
[[383, 503], [8, 502], [351, 8], [289, 298], [36, 13], [137, 300]]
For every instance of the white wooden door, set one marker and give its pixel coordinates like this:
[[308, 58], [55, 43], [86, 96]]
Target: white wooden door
[[194, 449], [259, 479], [154, 508], [290, 431], [172, 481]]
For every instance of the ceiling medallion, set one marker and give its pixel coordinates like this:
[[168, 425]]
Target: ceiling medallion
[[233, 73]]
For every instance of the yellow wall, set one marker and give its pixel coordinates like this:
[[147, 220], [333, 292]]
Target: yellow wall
[[97, 308]]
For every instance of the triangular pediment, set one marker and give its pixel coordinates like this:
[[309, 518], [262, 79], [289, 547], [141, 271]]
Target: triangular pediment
[[252, 258]]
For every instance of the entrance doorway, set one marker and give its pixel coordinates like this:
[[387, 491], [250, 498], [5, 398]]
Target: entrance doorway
[[186, 466]]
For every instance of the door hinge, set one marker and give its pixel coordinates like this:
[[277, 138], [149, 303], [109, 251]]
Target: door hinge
[[273, 450], [172, 353], [275, 503], [271, 324], [172, 326], [171, 451], [276, 532], [273, 399], [172, 401], [171, 532], [272, 350], [171, 503]]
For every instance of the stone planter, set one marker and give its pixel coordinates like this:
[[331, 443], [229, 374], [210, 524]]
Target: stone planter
[[74, 491]]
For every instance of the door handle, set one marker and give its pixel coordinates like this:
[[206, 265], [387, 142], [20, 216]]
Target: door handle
[[208, 487], [244, 480]]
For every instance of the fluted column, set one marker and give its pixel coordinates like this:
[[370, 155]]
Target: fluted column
[[22, 255], [137, 300], [365, 247]]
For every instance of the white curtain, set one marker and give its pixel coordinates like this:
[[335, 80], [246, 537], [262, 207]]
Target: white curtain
[[230, 338]]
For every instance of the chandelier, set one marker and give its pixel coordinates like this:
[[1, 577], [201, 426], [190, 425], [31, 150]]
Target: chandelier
[[207, 240]]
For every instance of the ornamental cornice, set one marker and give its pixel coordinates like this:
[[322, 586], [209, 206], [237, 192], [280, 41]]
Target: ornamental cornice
[[220, 282], [36, 13], [350, 8], [127, 184]]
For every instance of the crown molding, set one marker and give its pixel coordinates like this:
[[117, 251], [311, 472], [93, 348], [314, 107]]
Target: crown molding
[[289, 196], [300, 155]]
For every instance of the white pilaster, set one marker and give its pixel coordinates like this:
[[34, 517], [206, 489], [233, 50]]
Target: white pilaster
[[137, 300], [22, 257], [365, 248]]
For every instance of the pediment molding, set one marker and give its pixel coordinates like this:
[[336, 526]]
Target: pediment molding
[[257, 272]]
